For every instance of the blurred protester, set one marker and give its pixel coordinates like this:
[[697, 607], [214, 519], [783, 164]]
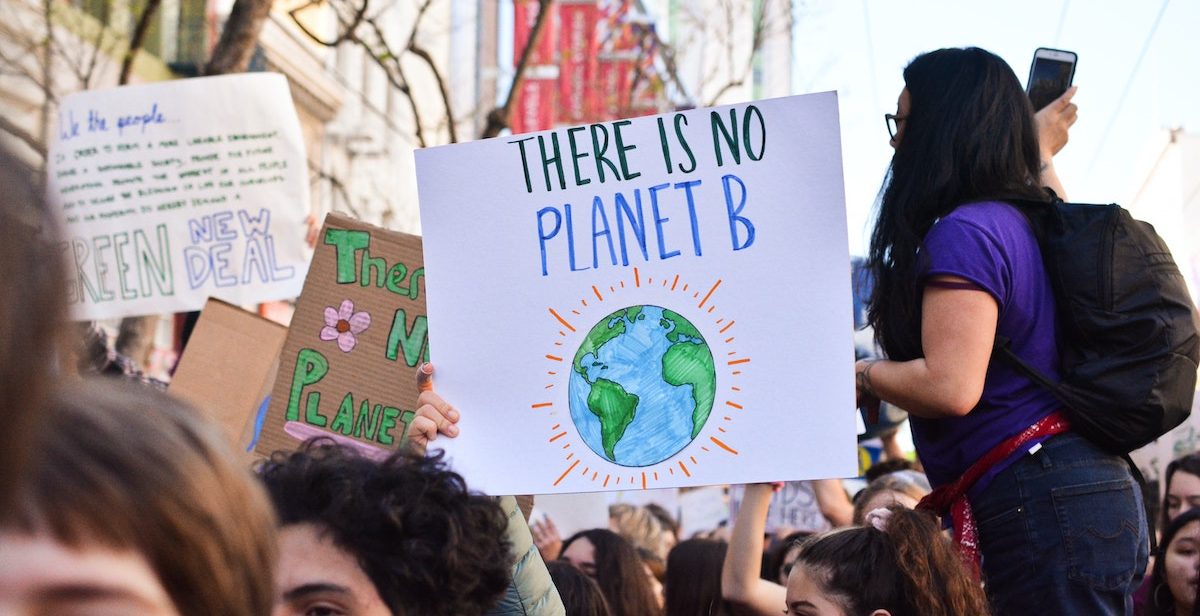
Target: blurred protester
[[834, 502], [1182, 493], [614, 564], [886, 467], [783, 556], [580, 594], [641, 528], [32, 311], [900, 564], [130, 504], [954, 267], [668, 522], [693, 586], [903, 488], [1176, 569]]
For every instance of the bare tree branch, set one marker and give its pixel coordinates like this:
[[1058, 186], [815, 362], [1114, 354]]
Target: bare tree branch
[[138, 38], [389, 62], [30, 140], [421, 53], [239, 37], [499, 118]]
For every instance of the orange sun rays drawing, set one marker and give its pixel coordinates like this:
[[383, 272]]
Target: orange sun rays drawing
[[683, 302]]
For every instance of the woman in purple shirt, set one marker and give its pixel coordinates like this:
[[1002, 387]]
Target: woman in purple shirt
[[1059, 523]]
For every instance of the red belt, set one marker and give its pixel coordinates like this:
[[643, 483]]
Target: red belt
[[952, 498]]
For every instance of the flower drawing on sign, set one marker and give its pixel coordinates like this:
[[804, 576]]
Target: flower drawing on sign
[[344, 325]]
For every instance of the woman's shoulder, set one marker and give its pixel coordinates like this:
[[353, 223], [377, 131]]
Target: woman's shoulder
[[986, 213], [997, 219]]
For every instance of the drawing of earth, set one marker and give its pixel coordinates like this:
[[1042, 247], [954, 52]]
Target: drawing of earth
[[642, 385]]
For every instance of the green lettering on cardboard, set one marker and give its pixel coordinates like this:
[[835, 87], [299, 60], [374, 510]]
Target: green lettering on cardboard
[[372, 272], [409, 339], [344, 420], [395, 277], [347, 242], [366, 422], [310, 368], [390, 414]]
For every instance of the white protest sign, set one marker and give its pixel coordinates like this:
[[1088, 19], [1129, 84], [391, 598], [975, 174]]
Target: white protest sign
[[649, 303], [177, 191], [793, 508]]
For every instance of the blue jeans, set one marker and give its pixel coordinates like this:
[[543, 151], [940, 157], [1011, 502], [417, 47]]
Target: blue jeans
[[1062, 531]]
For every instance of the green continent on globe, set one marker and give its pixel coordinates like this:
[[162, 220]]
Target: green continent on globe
[[690, 362], [615, 408], [608, 328]]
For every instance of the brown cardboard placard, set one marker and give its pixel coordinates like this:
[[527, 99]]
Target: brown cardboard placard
[[229, 367], [347, 370]]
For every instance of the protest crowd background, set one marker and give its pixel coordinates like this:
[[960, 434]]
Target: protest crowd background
[[203, 217]]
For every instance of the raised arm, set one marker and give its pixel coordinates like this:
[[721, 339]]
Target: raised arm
[[740, 583]]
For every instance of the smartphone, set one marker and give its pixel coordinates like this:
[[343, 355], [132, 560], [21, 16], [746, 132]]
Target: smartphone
[[1050, 75]]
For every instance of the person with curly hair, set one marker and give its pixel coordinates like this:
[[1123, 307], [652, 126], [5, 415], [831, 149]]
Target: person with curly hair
[[399, 536]]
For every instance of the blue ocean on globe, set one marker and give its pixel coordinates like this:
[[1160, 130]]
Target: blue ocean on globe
[[663, 424]]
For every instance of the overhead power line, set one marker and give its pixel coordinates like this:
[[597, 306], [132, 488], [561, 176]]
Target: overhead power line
[[1128, 84]]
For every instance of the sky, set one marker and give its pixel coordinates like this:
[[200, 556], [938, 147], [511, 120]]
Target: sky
[[860, 48]]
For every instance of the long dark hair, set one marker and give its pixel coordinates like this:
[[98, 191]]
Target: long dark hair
[[580, 594], [911, 568], [969, 135], [619, 572], [693, 586], [1161, 601]]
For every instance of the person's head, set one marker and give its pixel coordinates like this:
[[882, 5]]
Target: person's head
[[1174, 577], [783, 556], [668, 522], [641, 528], [1182, 493], [580, 594], [614, 564], [693, 586], [903, 488], [32, 312], [131, 504], [967, 133], [886, 467], [909, 568], [402, 536]]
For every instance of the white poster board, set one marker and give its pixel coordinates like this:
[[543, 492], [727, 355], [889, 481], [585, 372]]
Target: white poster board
[[177, 191], [793, 508], [649, 303]]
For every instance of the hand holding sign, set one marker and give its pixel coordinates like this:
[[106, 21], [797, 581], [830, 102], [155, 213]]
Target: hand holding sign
[[434, 415]]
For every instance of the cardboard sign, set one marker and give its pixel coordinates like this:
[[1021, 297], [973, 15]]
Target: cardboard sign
[[794, 508], [649, 303], [177, 191], [347, 371], [228, 369]]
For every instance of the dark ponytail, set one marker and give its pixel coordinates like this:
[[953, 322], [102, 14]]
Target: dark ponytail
[[911, 569]]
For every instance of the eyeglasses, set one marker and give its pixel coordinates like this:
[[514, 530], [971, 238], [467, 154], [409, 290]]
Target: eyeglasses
[[893, 123]]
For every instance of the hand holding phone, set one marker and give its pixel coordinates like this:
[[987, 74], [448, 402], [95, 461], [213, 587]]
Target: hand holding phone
[[1050, 74]]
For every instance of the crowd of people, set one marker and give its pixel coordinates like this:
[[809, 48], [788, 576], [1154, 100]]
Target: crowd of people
[[116, 498]]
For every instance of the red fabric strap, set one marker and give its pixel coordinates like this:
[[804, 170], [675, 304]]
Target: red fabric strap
[[952, 498]]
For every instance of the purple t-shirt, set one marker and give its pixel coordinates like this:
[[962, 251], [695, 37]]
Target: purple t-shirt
[[991, 244]]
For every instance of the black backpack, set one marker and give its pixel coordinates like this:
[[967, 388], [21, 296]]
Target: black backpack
[[1127, 328]]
